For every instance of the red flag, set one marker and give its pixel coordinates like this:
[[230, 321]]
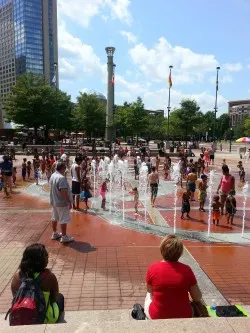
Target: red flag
[[113, 79]]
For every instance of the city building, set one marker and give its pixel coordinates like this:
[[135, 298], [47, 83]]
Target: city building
[[237, 110], [28, 42]]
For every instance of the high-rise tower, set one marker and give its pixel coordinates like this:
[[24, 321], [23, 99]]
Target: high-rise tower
[[28, 41]]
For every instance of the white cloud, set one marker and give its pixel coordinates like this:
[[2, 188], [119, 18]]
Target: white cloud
[[232, 67], [76, 57], [82, 11], [129, 35], [158, 99], [227, 78], [189, 67]]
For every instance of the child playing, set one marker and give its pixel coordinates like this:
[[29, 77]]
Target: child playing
[[241, 172], [202, 193], [224, 162], [36, 174], [216, 205], [185, 208], [28, 169], [3, 185], [86, 192], [104, 189], [24, 169], [136, 199], [14, 172], [231, 206]]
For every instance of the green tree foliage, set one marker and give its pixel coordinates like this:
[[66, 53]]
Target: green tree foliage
[[89, 115], [185, 120], [137, 117], [223, 126], [157, 126], [247, 126], [33, 103]]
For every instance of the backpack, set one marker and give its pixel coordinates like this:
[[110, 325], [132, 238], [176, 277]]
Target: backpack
[[28, 304], [138, 312]]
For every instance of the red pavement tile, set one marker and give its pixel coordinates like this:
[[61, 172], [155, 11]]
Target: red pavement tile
[[227, 266]]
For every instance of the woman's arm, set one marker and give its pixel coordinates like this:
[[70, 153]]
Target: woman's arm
[[53, 287], [219, 185], [195, 293], [149, 289], [15, 283]]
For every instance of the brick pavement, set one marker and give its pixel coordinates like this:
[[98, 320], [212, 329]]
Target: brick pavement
[[227, 266]]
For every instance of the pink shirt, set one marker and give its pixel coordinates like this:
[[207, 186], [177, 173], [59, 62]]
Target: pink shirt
[[226, 183]]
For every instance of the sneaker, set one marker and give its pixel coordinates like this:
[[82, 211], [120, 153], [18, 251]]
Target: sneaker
[[66, 239], [56, 235]]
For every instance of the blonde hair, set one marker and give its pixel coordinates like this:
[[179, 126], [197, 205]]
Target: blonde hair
[[171, 248]]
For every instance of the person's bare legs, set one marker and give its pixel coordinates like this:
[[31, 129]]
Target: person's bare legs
[[63, 229], [54, 226], [77, 200], [222, 200], [74, 201]]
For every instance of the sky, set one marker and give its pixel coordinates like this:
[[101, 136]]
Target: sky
[[194, 36]]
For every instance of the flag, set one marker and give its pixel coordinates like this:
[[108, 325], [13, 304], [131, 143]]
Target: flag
[[113, 79], [170, 81], [54, 79]]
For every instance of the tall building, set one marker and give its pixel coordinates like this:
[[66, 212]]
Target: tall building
[[28, 41], [237, 110]]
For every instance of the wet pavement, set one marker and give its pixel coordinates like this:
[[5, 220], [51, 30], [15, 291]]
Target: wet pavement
[[105, 267]]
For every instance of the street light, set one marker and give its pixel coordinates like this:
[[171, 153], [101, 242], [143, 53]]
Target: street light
[[230, 145], [169, 89], [216, 97], [55, 83]]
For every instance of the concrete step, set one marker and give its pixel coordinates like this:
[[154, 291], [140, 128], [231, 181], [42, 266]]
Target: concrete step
[[120, 321]]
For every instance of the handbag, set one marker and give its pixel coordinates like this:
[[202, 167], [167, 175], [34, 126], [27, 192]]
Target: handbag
[[199, 309], [138, 312]]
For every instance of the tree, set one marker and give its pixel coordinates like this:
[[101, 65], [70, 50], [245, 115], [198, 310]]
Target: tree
[[247, 126], [89, 115], [121, 115], [136, 117], [186, 118], [33, 103], [157, 126], [223, 125]]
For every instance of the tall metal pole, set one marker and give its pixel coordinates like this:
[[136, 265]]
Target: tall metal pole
[[169, 98], [110, 94], [55, 82], [216, 97]]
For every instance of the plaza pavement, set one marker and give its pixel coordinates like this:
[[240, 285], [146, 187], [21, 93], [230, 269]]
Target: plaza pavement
[[105, 267]]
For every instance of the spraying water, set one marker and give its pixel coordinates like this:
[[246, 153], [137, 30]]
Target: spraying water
[[210, 192], [245, 192], [110, 172], [175, 176], [143, 186]]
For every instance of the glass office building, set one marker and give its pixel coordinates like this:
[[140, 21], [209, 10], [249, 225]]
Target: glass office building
[[28, 41]]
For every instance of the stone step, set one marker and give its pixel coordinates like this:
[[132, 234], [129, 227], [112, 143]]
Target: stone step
[[119, 321]]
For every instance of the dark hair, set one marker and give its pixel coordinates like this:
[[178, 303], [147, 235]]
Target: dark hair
[[60, 165], [193, 170], [203, 176], [225, 169], [153, 168], [34, 260], [135, 189]]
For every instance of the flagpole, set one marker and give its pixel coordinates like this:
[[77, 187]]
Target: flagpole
[[216, 97], [169, 98], [55, 82]]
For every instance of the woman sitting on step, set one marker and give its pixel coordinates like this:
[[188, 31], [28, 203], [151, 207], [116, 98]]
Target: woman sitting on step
[[169, 284], [32, 266]]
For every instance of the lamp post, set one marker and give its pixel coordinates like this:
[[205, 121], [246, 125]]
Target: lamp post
[[216, 97], [55, 82], [230, 142], [169, 97], [110, 94]]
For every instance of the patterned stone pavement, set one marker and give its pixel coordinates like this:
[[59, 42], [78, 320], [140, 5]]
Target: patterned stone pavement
[[105, 267]]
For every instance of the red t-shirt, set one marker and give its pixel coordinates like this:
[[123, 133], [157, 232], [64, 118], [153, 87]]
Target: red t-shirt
[[170, 282]]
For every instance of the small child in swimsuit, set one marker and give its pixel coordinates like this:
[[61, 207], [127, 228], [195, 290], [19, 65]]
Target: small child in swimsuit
[[185, 208], [202, 193], [216, 205], [231, 206], [136, 199], [241, 171]]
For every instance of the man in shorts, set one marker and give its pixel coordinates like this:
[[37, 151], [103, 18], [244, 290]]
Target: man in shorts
[[61, 202]]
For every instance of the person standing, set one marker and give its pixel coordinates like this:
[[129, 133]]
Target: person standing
[[227, 183], [61, 201], [154, 182], [76, 182]]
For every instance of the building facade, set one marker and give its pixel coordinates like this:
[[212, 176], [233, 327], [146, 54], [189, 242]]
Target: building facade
[[28, 42], [237, 110]]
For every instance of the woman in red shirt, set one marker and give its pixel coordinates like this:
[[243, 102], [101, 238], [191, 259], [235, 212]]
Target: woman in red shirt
[[169, 284]]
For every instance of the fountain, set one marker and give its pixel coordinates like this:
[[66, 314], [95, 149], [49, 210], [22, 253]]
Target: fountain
[[143, 187], [175, 176], [245, 192], [210, 192]]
